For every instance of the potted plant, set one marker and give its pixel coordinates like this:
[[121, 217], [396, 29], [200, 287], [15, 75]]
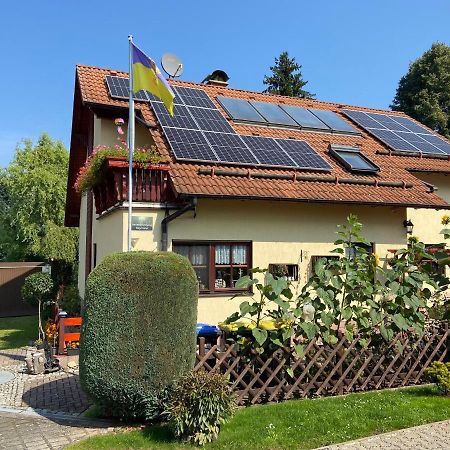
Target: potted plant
[[73, 348], [51, 334]]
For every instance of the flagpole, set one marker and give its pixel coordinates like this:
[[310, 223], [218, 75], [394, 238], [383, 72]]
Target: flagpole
[[130, 142]]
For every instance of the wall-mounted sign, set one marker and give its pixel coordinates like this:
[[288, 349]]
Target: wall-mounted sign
[[141, 223]]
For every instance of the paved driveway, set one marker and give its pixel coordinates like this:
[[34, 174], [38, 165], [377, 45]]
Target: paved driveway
[[41, 412], [433, 436], [28, 430]]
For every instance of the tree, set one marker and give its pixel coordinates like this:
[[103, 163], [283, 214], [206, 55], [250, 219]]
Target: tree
[[37, 290], [32, 201], [424, 92], [32, 195], [286, 78]]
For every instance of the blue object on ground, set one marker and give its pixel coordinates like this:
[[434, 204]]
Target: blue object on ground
[[204, 329]]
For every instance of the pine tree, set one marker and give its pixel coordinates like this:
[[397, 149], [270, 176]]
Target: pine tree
[[424, 92], [286, 78]]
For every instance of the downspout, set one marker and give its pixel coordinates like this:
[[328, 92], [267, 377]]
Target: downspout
[[191, 206]]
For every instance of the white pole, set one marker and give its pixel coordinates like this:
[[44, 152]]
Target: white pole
[[130, 143]]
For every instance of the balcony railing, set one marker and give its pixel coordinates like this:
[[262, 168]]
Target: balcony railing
[[150, 184]]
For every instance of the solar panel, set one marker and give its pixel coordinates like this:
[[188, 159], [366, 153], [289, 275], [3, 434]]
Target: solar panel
[[410, 125], [387, 122], [442, 145], [118, 88], [400, 133], [305, 118], [417, 141], [331, 119], [189, 144], [364, 119], [210, 120], [273, 113], [303, 154], [194, 97], [393, 140], [180, 119], [268, 151], [240, 109], [230, 148]]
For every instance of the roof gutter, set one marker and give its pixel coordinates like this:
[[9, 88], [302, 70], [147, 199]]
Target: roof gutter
[[164, 224]]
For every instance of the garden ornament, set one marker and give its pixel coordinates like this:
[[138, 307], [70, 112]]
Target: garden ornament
[[308, 312]]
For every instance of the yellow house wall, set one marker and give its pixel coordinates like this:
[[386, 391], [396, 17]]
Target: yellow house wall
[[105, 133], [280, 232], [82, 246], [109, 234], [427, 222]]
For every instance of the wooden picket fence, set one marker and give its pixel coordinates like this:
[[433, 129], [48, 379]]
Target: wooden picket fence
[[325, 370]]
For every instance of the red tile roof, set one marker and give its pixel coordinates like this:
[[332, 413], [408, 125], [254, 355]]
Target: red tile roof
[[339, 186]]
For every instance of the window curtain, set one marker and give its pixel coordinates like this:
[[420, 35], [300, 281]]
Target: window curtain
[[240, 254], [223, 254], [199, 255]]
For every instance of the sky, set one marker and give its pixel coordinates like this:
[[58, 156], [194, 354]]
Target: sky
[[352, 51]]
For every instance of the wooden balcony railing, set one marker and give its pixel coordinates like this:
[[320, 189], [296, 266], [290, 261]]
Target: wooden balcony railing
[[150, 184]]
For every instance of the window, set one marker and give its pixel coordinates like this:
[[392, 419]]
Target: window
[[290, 271], [218, 265], [358, 248], [352, 159]]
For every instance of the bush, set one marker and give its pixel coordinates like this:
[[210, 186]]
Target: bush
[[439, 373], [199, 404], [71, 301], [138, 334]]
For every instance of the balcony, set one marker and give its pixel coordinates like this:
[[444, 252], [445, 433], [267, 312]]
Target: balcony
[[150, 184]]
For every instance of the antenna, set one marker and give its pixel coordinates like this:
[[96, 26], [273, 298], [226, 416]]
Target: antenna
[[172, 65]]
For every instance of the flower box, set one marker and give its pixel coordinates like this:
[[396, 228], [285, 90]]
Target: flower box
[[73, 351]]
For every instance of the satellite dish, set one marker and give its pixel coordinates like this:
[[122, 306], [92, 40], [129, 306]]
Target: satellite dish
[[172, 65]]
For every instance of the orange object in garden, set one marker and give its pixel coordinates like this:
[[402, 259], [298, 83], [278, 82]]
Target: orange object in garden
[[68, 338]]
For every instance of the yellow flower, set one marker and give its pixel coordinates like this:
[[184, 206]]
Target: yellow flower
[[445, 219], [376, 258]]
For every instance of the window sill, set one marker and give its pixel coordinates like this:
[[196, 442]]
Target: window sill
[[225, 294]]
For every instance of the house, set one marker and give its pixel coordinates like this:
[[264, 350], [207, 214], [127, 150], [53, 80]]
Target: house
[[253, 180]]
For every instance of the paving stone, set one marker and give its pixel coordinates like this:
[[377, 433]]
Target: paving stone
[[432, 436], [20, 431]]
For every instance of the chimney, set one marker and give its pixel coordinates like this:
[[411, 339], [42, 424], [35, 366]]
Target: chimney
[[217, 78]]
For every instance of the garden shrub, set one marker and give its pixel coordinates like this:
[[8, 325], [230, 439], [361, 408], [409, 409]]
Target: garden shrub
[[71, 301], [138, 334], [199, 404], [439, 373], [349, 293]]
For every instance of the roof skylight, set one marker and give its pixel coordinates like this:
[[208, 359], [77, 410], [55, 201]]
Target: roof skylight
[[352, 159]]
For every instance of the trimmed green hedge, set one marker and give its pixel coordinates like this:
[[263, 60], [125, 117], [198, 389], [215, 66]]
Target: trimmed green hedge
[[138, 333]]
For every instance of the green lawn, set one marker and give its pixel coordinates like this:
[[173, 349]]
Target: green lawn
[[301, 424], [17, 331]]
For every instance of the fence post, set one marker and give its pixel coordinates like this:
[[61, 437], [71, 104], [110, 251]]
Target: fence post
[[221, 342], [61, 336], [201, 346]]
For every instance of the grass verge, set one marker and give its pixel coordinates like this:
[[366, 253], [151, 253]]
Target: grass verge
[[16, 332], [300, 424]]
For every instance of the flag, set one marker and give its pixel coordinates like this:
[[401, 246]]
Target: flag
[[148, 77]]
